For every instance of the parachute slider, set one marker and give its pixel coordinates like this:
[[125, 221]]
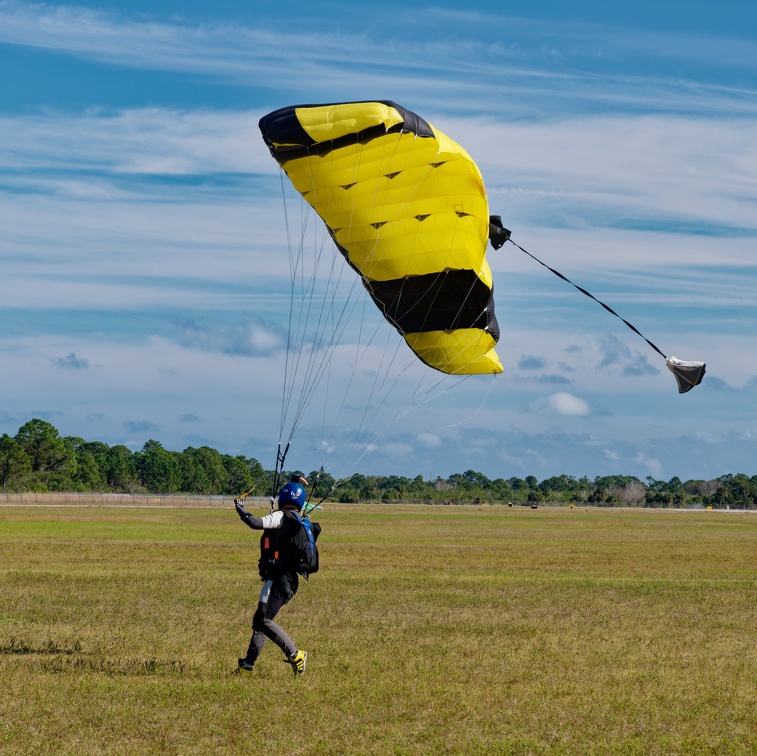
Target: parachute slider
[[688, 374]]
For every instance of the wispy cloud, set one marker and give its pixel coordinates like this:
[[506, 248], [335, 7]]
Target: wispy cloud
[[531, 362], [236, 339], [100, 144], [573, 63], [140, 426], [71, 362], [615, 353]]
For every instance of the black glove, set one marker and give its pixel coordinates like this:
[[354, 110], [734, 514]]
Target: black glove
[[256, 523]]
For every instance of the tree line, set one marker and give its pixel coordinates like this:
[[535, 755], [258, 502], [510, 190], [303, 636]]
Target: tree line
[[39, 459]]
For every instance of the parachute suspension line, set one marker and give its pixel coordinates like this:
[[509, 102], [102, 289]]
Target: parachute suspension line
[[327, 437], [356, 361], [591, 296], [316, 342], [293, 343], [325, 403], [480, 407], [298, 336], [429, 392], [253, 487], [337, 329], [389, 356], [319, 358], [308, 507], [377, 391], [306, 302], [318, 367], [285, 382], [406, 411], [295, 338]]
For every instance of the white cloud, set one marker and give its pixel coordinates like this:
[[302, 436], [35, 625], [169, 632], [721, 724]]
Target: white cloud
[[654, 466], [430, 440], [564, 403]]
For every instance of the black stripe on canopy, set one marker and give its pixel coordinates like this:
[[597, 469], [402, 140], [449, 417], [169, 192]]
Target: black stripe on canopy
[[287, 140], [436, 302]]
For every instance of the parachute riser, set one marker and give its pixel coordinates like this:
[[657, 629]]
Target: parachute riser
[[280, 458]]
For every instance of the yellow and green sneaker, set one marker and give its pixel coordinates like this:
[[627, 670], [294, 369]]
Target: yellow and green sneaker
[[298, 662]]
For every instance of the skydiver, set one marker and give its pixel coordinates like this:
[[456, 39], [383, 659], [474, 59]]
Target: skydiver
[[280, 581]]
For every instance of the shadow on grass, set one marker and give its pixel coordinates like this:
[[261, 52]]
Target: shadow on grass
[[21, 647], [114, 667], [72, 658]]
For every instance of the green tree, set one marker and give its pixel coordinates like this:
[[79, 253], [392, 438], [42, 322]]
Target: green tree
[[369, 491], [240, 478], [737, 491], [53, 459], [88, 475], [660, 493], [211, 463], [15, 464], [502, 488], [99, 452], [121, 469], [193, 478], [42, 442], [158, 469]]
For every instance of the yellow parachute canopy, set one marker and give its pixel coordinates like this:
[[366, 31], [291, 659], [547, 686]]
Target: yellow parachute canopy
[[407, 208]]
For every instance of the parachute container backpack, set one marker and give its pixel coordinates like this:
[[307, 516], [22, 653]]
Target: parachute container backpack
[[290, 548], [304, 554], [407, 208]]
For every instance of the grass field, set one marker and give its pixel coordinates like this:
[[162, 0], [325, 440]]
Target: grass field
[[464, 630]]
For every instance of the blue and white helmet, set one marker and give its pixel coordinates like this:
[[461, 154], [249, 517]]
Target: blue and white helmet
[[293, 493]]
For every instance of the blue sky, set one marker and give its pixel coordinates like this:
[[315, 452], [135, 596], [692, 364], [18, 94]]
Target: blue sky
[[143, 255]]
